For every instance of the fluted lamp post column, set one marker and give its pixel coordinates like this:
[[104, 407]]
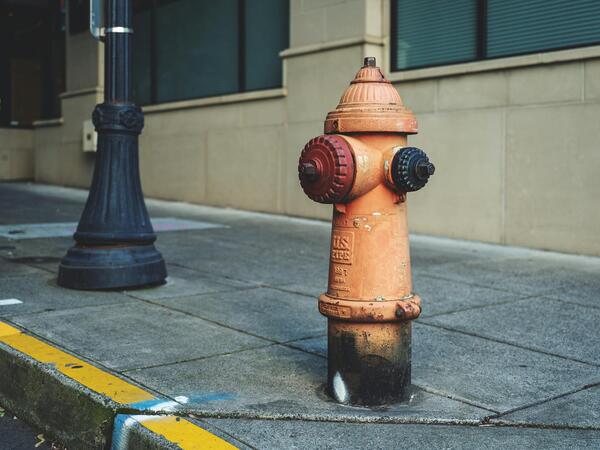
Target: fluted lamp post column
[[114, 241]]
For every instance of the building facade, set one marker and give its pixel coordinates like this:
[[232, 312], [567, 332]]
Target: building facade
[[507, 99]]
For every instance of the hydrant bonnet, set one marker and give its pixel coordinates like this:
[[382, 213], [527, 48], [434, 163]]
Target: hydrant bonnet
[[371, 104]]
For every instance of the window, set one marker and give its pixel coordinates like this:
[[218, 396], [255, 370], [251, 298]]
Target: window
[[79, 16], [32, 61], [186, 49], [436, 32]]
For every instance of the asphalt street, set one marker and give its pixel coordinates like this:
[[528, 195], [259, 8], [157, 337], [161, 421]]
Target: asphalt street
[[17, 435]]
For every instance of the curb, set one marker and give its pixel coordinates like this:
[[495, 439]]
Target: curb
[[86, 407], [55, 404]]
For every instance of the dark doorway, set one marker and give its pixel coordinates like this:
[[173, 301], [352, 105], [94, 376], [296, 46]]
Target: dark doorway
[[32, 60]]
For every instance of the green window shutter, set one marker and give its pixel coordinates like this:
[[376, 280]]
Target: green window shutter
[[185, 49], [266, 25], [141, 57], [197, 49], [519, 26], [429, 32], [79, 16]]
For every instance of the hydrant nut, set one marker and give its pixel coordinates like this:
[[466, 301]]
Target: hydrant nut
[[308, 171]]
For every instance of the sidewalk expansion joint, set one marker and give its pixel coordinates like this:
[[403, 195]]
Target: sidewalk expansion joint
[[225, 290], [496, 417], [10, 276], [562, 300], [33, 266], [200, 358], [455, 398], [486, 286], [487, 305], [538, 425], [292, 291], [488, 421], [272, 342], [484, 422], [325, 418], [512, 344], [255, 284], [305, 338], [116, 303], [214, 322]]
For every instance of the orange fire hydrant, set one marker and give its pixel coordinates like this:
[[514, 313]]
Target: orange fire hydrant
[[363, 167]]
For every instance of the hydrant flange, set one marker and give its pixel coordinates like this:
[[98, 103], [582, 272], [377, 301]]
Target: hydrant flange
[[377, 310]]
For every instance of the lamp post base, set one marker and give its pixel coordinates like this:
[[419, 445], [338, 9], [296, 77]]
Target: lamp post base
[[111, 267], [369, 363]]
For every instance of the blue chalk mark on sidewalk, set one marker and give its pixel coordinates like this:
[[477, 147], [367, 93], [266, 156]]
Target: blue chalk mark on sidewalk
[[164, 404], [125, 422]]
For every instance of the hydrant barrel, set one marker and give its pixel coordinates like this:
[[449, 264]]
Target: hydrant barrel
[[364, 168]]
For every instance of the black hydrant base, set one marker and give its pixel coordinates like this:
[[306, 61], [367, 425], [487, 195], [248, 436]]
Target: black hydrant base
[[366, 367]]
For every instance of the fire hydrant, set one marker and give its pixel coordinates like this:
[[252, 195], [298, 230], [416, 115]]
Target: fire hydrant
[[363, 167]]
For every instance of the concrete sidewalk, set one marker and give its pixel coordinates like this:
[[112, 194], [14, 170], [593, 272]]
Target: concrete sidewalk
[[505, 355]]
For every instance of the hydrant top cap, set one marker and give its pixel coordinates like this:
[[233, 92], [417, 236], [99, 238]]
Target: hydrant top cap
[[371, 104]]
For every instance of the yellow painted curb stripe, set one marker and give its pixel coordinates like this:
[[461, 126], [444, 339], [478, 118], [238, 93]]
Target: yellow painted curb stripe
[[185, 434], [175, 429], [89, 376], [7, 330]]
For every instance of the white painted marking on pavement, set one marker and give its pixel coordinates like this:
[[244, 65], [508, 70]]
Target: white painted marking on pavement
[[339, 388], [10, 301]]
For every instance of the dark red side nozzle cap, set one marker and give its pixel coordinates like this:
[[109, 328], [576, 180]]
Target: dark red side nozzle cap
[[326, 169]]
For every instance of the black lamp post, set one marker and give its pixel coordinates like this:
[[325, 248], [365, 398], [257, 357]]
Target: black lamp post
[[114, 239]]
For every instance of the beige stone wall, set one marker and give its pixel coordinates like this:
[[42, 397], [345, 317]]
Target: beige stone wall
[[59, 158], [225, 154], [517, 155], [515, 141], [328, 41], [16, 154]]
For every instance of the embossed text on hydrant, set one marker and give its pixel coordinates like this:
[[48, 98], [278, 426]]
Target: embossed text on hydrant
[[342, 246]]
